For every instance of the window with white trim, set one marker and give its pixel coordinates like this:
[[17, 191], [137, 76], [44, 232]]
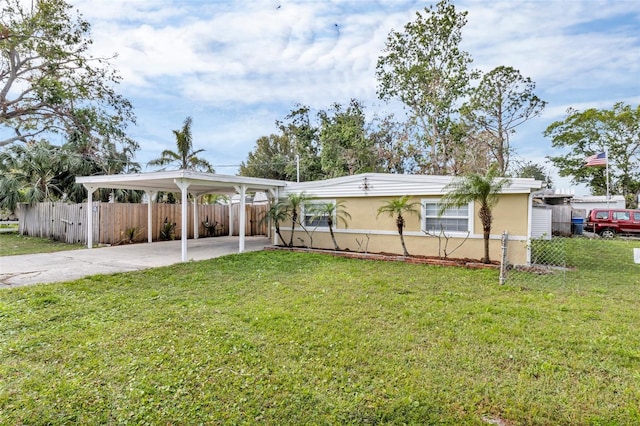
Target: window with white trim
[[455, 219], [312, 218]]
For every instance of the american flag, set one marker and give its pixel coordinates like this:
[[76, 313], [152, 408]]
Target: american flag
[[599, 159]]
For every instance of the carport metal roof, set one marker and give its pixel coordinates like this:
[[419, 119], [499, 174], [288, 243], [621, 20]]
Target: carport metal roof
[[199, 183], [185, 181]]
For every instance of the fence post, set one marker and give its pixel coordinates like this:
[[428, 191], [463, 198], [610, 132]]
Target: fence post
[[504, 258]]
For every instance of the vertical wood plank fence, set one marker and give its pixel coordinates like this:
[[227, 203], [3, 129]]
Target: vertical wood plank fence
[[118, 223]]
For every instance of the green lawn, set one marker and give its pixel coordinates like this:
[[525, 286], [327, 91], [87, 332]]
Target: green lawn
[[292, 338], [12, 244]]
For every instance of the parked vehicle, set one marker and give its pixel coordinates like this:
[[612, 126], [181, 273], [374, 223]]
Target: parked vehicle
[[609, 222]]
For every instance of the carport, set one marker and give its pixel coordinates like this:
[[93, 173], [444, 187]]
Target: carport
[[186, 182]]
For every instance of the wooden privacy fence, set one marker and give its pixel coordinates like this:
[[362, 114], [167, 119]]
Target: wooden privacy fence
[[117, 223]]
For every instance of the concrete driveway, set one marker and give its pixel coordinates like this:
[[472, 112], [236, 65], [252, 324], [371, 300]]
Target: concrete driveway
[[69, 265]]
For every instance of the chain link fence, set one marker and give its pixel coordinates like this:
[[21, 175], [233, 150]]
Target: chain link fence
[[575, 261]]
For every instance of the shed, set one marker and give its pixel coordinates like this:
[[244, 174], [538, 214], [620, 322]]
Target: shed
[[590, 202]]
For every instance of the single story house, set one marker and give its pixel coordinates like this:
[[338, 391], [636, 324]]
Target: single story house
[[456, 234]]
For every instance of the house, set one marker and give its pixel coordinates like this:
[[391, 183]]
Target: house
[[456, 234], [362, 195]]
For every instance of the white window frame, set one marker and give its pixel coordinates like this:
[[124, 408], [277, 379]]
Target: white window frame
[[304, 215], [470, 218]]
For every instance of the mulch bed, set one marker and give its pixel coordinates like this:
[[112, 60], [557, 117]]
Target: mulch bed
[[390, 257]]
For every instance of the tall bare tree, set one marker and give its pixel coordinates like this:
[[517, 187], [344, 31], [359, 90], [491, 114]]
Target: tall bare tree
[[503, 100]]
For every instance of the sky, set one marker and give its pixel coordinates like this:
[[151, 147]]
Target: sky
[[236, 67]]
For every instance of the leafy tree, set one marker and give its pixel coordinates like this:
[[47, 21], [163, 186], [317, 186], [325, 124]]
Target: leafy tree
[[394, 146], [483, 189], [304, 135], [536, 171], [425, 69], [329, 211], [345, 146], [397, 208], [272, 158], [292, 206], [32, 173], [503, 100], [468, 150], [49, 83], [185, 157], [615, 130]]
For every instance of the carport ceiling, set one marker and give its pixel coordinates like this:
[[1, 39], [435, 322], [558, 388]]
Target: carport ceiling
[[199, 183]]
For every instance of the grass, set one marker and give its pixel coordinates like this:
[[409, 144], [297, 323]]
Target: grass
[[293, 338], [12, 244]]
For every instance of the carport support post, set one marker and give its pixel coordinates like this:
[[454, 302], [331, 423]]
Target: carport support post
[[243, 216], [196, 234], [90, 190], [183, 184], [150, 195], [274, 202], [231, 216]]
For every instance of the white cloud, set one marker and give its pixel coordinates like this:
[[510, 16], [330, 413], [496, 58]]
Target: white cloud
[[249, 62]]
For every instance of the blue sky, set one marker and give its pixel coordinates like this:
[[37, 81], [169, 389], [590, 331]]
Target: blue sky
[[238, 66]]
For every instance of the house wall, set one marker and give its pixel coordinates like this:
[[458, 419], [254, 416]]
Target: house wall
[[366, 231]]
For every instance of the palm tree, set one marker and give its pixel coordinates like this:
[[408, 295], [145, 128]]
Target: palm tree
[[396, 208], [484, 190], [277, 213], [185, 156], [32, 173], [292, 206], [329, 210]]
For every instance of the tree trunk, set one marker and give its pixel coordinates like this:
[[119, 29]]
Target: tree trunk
[[335, 244], [400, 225], [279, 234], [294, 218], [486, 247], [404, 247], [487, 218]]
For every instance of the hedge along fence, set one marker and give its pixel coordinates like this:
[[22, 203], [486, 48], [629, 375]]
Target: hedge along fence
[[115, 223]]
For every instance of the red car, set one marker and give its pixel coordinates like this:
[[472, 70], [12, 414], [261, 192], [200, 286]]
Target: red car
[[609, 222]]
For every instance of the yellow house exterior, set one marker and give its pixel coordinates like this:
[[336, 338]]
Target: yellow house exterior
[[453, 235]]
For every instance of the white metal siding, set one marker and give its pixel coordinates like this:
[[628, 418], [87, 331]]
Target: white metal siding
[[541, 223]]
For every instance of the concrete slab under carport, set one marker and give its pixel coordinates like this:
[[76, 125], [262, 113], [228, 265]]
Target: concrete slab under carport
[[28, 269]]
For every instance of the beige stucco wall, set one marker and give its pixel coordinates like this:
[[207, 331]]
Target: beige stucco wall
[[368, 231]]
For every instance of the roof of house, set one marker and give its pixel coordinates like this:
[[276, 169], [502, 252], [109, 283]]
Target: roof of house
[[384, 184]]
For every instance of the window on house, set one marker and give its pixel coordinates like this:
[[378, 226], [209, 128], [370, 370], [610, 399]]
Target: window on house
[[311, 216], [452, 220]]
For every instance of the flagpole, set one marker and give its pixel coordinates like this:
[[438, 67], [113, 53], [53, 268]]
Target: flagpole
[[606, 162]]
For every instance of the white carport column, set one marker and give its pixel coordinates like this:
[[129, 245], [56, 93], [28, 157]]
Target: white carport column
[[242, 189], [183, 184], [274, 236], [90, 190], [151, 195], [195, 217], [231, 216]]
